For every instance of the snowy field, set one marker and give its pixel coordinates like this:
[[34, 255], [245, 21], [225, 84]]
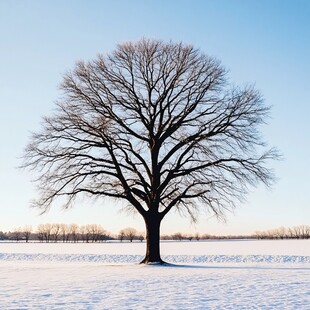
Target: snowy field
[[206, 275]]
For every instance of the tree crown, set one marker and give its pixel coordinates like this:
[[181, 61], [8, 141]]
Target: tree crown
[[156, 124]]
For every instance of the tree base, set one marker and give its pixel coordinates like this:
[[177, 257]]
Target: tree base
[[147, 261]]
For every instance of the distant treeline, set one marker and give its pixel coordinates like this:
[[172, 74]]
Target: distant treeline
[[96, 233], [69, 233], [296, 232], [93, 233], [189, 237]]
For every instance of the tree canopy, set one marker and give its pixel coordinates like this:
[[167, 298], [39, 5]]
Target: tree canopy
[[156, 124]]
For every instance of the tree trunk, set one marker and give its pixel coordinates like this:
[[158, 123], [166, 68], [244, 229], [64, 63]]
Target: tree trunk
[[152, 224]]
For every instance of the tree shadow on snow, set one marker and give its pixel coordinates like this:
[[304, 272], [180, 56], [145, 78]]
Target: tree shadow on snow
[[256, 267]]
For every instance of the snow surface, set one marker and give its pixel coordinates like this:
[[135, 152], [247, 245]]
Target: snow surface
[[205, 275]]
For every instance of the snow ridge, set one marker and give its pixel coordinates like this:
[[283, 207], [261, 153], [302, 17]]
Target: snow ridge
[[177, 259]]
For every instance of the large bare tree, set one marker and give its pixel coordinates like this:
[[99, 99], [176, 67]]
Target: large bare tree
[[155, 124]]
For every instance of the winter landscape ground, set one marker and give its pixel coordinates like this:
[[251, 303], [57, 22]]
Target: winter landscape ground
[[246, 274]]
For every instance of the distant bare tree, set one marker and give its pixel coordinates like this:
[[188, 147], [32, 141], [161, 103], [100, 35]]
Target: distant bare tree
[[257, 234], [64, 232], [295, 232], [305, 232], [189, 237], [129, 233], [45, 230], [95, 231], [3, 235], [26, 232], [56, 229], [140, 237], [40, 233], [16, 234], [300, 232], [280, 232], [84, 233], [178, 236], [291, 233], [158, 125], [205, 237], [121, 235], [197, 237], [74, 229]]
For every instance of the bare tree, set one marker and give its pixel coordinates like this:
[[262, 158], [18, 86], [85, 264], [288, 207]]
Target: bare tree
[[189, 237], [3, 235], [84, 234], [178, 236], [280, 232], [64, 232], [305, 231], [140, 236], [129, 233], [40, 233], [205, 237], [74, 229], [16, 234], [121, 235], [157, 125], [56, 230], [300, 232], [197, 236], [94, 231], [26, 231], [45, 230]]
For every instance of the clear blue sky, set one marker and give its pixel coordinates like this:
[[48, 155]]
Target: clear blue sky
[[266, 42]]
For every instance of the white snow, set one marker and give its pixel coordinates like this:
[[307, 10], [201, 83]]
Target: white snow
[[206, 275]]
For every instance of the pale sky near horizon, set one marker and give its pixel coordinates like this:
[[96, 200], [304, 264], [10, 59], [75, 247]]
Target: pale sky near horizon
[[260, 41]]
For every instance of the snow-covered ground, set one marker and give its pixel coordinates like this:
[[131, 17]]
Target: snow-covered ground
[[207, 275]]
